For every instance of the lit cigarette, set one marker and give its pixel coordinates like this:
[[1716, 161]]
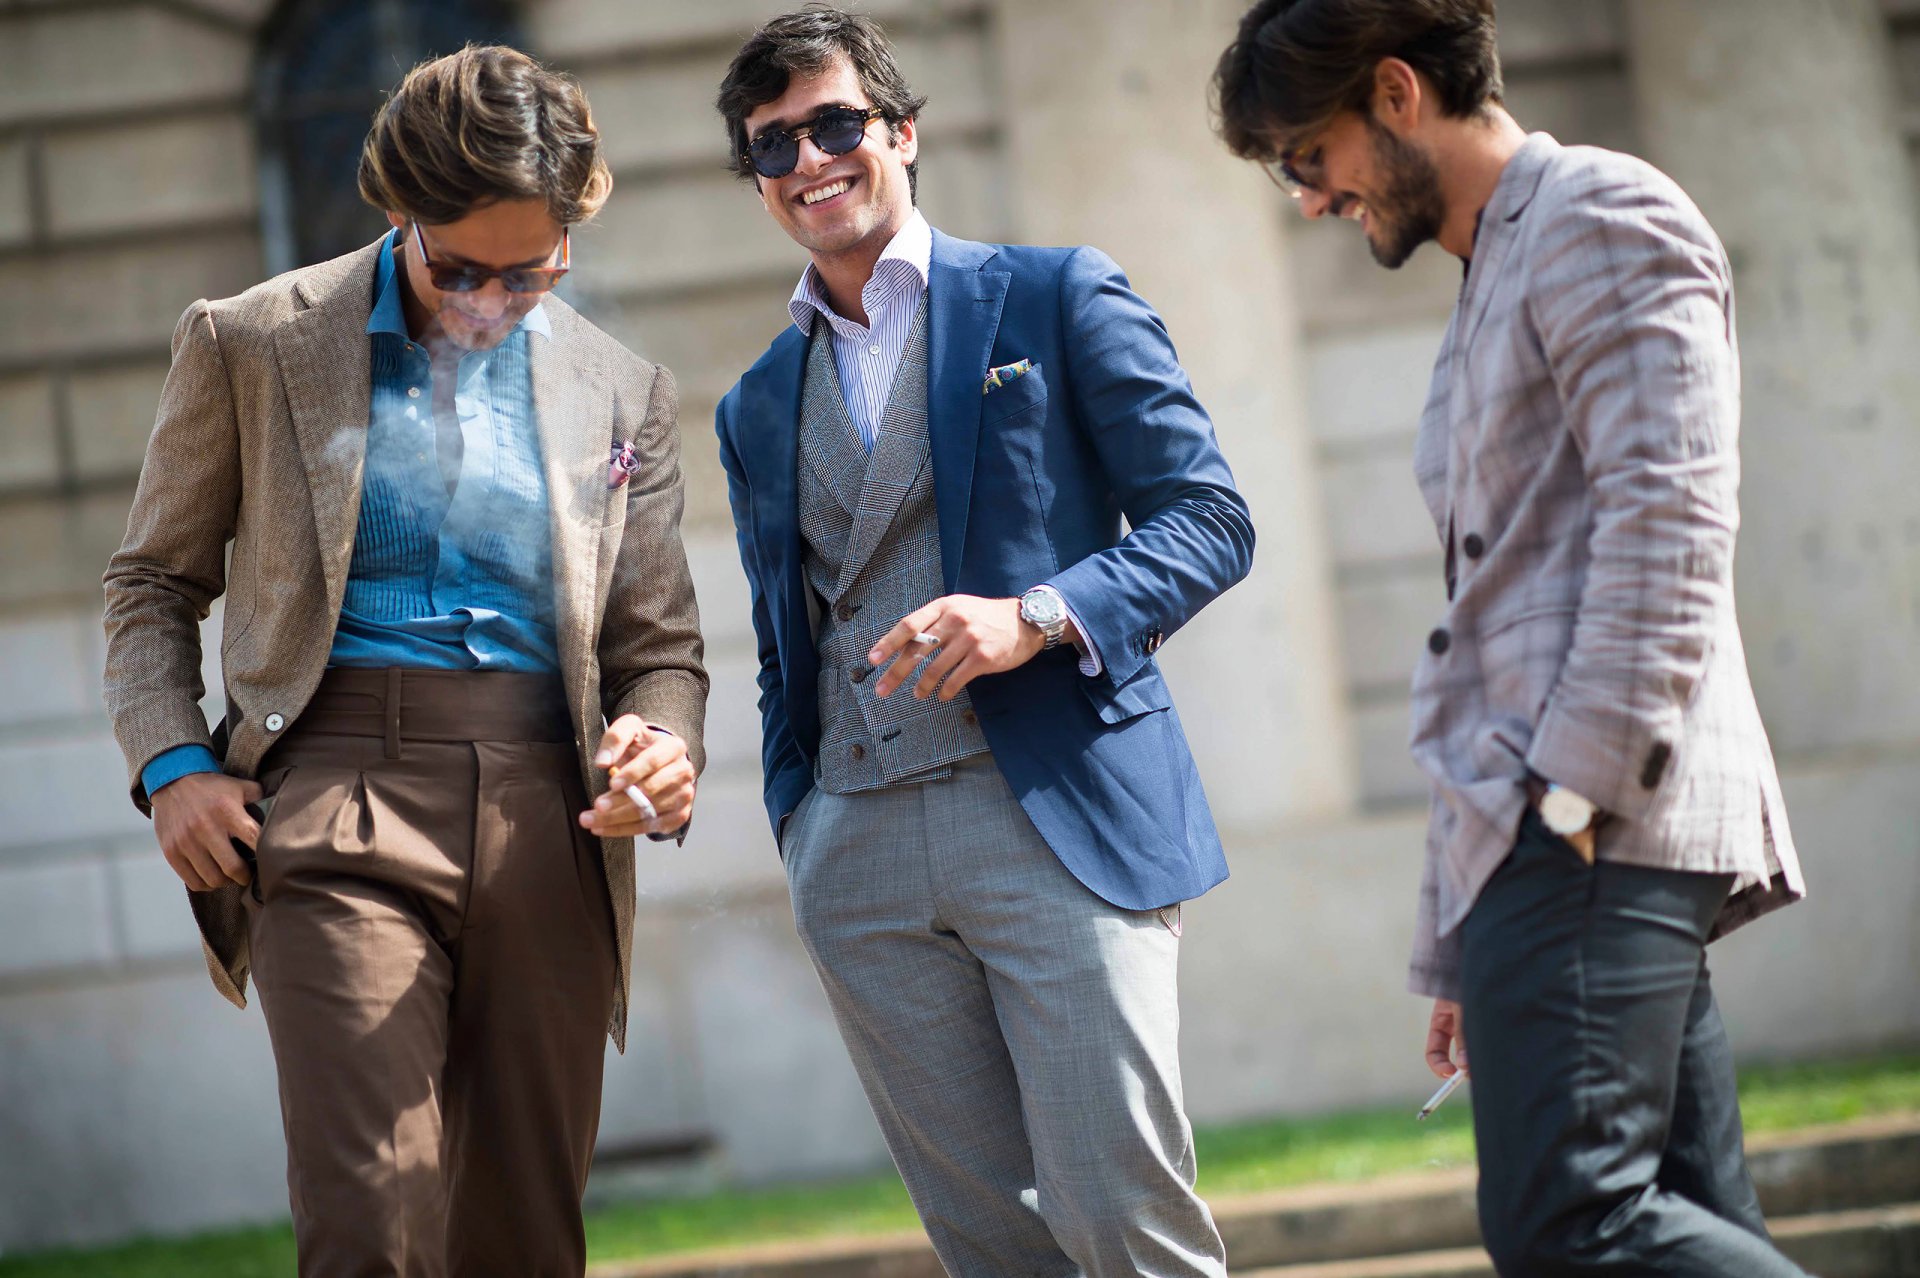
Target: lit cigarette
[[647, 812], [926, 636], [1454, 1080]]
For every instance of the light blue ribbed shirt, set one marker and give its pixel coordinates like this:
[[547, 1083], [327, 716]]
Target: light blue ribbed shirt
[[440, 580]]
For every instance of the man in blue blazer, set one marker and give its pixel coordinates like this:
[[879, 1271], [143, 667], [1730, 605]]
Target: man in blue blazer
[[986, 805]]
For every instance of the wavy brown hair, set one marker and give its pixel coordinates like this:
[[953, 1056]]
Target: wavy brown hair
[[485, 124], [1296, 64]]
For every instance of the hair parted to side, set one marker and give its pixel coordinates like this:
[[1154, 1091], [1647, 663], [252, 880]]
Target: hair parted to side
[[1296, 64], [485, 124], [805, 43]]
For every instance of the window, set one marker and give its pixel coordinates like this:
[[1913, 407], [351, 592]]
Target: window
[[324, 68]]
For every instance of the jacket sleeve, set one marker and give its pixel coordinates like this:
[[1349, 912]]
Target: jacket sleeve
[[1191, 534], [650, 647], [1633, 305], [786, 775], [164, 578]]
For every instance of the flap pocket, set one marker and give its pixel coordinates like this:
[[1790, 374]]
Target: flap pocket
[[1144, 693]]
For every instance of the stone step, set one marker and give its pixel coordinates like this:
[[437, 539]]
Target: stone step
[[1823, 1173], [1873, 1242]]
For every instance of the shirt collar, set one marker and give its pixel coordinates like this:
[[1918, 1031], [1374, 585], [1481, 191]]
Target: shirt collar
[[911, 245], [390, 317]]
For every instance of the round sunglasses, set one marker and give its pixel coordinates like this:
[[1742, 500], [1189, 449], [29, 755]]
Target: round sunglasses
[[451, 278], [836, 131]]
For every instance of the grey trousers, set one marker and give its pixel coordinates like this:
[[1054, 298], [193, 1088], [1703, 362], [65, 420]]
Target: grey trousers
[[1017, 1036]]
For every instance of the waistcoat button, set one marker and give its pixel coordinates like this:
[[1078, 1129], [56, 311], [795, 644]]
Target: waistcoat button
[[858, 751]]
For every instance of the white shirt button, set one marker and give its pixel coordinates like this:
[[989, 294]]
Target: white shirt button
[[413, 392], [275, 722], [874, 349]]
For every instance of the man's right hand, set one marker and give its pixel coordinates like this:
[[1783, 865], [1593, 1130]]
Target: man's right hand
[[1446, 1039], [196, 819]]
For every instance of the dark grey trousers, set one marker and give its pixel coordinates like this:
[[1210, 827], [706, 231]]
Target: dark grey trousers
[[1603, 1086]]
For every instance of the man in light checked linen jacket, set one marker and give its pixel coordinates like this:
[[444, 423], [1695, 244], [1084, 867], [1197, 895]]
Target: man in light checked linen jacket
[[1604, 798]]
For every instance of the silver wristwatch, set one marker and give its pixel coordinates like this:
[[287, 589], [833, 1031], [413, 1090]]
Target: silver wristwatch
[[1044, 609], [1564, 812]]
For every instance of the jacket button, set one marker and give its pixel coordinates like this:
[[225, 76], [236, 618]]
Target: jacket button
[[1473, 545], [275, 723], [844, 612], [1439, 641], [858, 752]]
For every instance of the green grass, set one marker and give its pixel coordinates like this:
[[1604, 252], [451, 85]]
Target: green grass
[[1240, 1159]]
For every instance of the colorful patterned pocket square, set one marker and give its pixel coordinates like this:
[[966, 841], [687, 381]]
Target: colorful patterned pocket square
[[621, 464], [998, 377]]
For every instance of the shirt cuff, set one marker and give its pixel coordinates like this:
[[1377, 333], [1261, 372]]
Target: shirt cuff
[[170, 765], [1090, 663]]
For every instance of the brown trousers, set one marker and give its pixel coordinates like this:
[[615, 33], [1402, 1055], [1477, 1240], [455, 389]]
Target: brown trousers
[[434, 947]]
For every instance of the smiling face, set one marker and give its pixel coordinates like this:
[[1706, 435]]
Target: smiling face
[[1359, 168], [506, 233], [837, 205]]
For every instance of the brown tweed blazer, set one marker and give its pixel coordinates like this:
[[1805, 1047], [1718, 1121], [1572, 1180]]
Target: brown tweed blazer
[[258, 445]]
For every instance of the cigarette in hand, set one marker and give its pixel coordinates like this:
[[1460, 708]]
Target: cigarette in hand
[[927, 636], [1454, 1080], [647, 812]]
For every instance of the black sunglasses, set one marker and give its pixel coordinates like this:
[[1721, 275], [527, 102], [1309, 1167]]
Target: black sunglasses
[[836, 130], [515, 279]]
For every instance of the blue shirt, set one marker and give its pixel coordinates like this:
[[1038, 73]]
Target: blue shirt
[[440, 580]]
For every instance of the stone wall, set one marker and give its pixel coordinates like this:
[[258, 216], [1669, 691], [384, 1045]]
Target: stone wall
[[133, 1100]]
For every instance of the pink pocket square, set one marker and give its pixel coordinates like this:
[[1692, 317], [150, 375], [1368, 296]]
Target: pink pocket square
[[621, 465]]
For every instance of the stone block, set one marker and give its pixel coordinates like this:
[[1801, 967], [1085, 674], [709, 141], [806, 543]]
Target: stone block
[[145, 1105], [62, 789], [29, 457], [135, 175], [58, 62], [16, 210], [1374, 510], [729, 853], [657, 111], [1388, 776], [1548, 31], [653, 1090], [152, 918], [126, 296], [68, 542], [591, 29], [1369, 384], [733, 713], [1589, 106], [1906, 62], [45, 656], [1338, 286], [726, 617], [783, 1097], [1384, 622], [53, 915], [111, 411]]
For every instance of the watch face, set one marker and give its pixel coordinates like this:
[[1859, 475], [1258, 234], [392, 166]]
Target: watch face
[[1042, 607]]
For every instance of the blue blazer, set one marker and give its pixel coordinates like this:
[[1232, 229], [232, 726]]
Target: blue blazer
[[1030, 484]]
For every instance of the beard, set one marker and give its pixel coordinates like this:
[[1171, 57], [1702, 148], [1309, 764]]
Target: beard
[[1409, 210]]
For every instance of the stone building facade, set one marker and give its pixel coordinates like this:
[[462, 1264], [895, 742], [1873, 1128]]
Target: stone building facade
[[155, 151]]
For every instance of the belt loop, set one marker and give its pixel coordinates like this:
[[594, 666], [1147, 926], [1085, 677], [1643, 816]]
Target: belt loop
[[390, 712]]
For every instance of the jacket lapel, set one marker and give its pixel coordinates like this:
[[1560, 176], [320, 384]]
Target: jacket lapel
[[326, 368], [900, 451], [834, 451], [1499, 230], [576, 434], [964, 302]]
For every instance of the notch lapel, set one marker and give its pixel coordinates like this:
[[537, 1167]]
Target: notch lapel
[[963, 317], [900, 451], [326, 369], [574, 417]]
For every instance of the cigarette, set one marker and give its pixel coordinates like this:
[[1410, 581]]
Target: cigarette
[[1454, 1080], [647, 812], [926, 636]]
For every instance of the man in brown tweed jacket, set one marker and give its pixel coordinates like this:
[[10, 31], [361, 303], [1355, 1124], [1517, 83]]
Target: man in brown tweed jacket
[[457, 605], [1604, 799]]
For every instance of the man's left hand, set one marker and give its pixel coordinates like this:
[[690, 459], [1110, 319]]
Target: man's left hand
[[976, 636], [655, 761]]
